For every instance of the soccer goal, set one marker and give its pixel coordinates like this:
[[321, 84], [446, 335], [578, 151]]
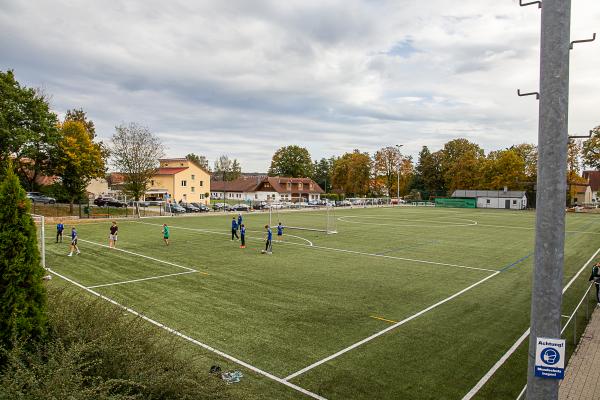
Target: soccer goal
[[40, 229], [317, 218]]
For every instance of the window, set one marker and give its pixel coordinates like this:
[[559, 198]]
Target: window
[[193, 189], [183, 183], [151, 183], [256, 196], [289, 185], [201, 183], [299, 185], [193, 177], [514, 202], [181, 164], [487, 201]]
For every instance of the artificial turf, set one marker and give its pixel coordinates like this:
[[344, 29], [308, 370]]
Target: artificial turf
[[318, 294]]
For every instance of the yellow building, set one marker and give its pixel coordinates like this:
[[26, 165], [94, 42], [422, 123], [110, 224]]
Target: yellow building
[[182, 180]]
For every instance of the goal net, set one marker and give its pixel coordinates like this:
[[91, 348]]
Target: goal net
[[304, 216], [40, 230]]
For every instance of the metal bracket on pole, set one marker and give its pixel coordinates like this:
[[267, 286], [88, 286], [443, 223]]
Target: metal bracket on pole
[[536, 94], [539, 3], [582, 137], [582, 41]]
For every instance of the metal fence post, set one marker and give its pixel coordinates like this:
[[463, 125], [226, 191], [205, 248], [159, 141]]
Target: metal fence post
[[551, 183]]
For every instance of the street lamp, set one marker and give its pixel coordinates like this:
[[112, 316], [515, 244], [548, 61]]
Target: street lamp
[[398, 186]]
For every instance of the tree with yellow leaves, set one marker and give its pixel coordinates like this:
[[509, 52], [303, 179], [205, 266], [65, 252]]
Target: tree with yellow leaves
[[79, 159]]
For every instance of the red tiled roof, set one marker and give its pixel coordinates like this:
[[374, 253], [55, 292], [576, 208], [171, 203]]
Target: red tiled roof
[[593, 178], [170, 170], [276, 183], [243, 184]]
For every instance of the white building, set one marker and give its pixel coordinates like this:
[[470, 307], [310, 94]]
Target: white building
[[272, 188], [509, 199]]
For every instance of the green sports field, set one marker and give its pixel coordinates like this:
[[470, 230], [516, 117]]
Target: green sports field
[[405, 302]]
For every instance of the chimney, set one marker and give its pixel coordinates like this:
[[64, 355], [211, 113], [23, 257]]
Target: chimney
[[505, 189]]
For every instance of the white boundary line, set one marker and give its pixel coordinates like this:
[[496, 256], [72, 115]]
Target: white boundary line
[[533, 228], [192, 340], [431, 222], [343, 250], [140, 280], [519, 341], [392, 327], [140, 255]]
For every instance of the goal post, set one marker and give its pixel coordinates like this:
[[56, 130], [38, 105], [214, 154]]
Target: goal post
[[316, 218], [40, 229]]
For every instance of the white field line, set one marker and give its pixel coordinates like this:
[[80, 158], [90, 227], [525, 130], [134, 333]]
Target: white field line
[[344, 250], [431, 222], [141, 279], [391, 327], [140, 255], [192, 340], [519, 341], [533, 228], [298, 237]]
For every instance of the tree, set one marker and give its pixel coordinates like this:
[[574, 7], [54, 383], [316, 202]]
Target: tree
[[503, 168], [322, 172], [428, 173], [22, 295], [27, 128], [79, 159], [591, 149], [386, 164], [200, 160], [135, 152], [291, 161], [352, 173], [226, 169], [78, 115], [461, 164]]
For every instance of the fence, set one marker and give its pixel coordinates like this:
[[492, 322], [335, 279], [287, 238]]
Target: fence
[[584, 303]]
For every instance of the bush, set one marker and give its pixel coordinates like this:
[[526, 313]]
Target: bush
[[93, 352]]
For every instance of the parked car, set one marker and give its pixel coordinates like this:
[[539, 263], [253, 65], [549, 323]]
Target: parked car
[[131, 203], [240, 207], [259, 206], [154, 202], [201, 207], [109, 201], [189, 207], [343, 203], [221, 207], [175, 208], [37, 197]]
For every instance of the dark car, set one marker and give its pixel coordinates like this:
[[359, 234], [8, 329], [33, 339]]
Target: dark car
[[108, 201], [174, 208], [240, 207], [189, 207], [37, 197], [201, 207], [259, 206]]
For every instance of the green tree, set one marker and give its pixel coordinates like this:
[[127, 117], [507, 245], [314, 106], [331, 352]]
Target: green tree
[[27, 129], [291, 161], [79, 159], [591, 150], [502, 168], [461, 164], [387, 162], [322, 172], [135, 152], [428, 177], [200, 160], [22, 295]]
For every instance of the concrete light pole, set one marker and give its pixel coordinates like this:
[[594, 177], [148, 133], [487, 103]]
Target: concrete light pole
[[398, 186]]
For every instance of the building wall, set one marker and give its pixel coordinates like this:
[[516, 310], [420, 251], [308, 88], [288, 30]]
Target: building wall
[[97, 187], [494, 202], [190, 185]]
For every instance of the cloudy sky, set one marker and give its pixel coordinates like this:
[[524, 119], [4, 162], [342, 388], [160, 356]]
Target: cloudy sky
[[245, 77]]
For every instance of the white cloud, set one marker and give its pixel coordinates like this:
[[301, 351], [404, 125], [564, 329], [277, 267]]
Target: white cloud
[[244, 78]]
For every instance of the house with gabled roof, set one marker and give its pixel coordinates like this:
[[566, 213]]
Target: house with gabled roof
[[267, 188], [179, 179]]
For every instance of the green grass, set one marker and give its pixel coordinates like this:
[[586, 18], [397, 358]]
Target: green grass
[[286, 311]]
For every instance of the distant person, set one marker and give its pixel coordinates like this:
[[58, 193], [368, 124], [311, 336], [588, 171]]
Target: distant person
[[595, 277], [268, 241], [234, 228], [59, 231], [239, 221], [74, 242], [112, 237], [280, 232], [243, 236], [165, 232]]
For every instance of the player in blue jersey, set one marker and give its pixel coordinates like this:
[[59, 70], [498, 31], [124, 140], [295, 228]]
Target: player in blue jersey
[[279, 232], [268, 241], [239, 222], [59, 231], [74, 242], [234, 228], [243, 236]]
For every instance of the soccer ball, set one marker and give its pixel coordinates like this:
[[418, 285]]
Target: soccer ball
[[262, 251]]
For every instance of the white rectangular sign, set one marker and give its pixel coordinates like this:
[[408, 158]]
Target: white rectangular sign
[[550, 358]]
